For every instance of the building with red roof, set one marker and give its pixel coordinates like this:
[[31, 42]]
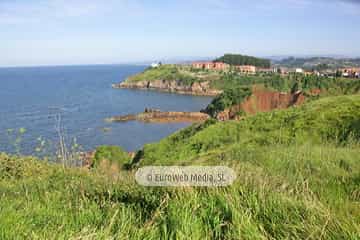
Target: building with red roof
[[218, 66]]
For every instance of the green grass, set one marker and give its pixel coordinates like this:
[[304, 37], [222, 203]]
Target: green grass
[[328, 86], [164, 72], [298, 177], [229, 80], [334, 119], [296, 193], [113, 154]]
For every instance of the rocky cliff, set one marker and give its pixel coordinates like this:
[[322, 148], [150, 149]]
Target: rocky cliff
[[196, 88], [262, 101], [156, 116]]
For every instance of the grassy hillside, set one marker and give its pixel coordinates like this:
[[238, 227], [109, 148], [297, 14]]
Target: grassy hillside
[[164, 72], [332, 120], [229, 80], [328, 86], [298, 178]]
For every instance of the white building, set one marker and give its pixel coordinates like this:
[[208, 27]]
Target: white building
[[299, 70], [345, 74], [155, 65]]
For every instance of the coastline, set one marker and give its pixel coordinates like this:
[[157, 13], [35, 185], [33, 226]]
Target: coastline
[[157, 116], [194, 89]]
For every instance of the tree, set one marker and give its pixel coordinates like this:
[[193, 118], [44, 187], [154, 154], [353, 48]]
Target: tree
[[237, 59]]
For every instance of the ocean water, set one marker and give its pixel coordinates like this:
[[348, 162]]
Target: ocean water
[[32, 97]]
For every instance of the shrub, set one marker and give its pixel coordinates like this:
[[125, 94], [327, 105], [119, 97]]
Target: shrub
[[113, 154], [227, 99], [237, 59]]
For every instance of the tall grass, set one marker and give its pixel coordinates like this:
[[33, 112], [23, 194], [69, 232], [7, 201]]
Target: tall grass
[[298, 177], [299, 193]]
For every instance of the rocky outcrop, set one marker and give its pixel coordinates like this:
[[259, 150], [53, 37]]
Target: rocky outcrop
[[196, 88], [156, 116], [262, 101]]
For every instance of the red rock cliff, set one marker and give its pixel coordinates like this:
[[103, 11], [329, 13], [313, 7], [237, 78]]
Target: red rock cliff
[[262, 101]]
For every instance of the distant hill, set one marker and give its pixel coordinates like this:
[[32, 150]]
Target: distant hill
[[237, 59], [318, 62]]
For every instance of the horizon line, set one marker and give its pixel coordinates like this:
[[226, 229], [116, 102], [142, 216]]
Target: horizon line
[[174, 60]]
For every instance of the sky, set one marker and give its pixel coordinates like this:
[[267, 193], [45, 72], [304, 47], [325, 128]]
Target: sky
[[65, 32]]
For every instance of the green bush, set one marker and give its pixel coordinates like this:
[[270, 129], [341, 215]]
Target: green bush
[[113, 154], [227, 99], [17, 167], [237, 59]]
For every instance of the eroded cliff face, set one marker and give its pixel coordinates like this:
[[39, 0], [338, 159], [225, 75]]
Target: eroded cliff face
[[196, 88], [262, 101]]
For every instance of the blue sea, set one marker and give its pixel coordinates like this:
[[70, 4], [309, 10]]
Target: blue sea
[[32, 97]]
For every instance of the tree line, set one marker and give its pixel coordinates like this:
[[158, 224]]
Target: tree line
[[237, 59]]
